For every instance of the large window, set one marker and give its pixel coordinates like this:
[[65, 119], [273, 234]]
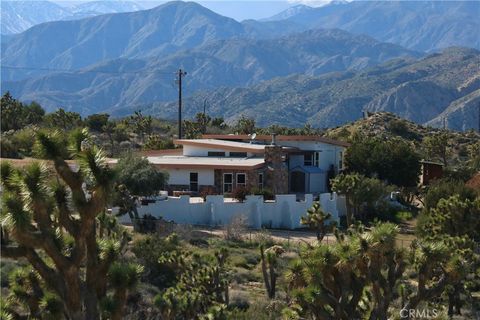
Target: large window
[[238, 154], [194, 181], [308, 159], [241, 179], [216, 154], [227, 182], [311, 159]]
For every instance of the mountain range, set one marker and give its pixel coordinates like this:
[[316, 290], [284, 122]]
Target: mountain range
[[423, 90], [418, 25], [18, 16], [309, 64], [234, 62]]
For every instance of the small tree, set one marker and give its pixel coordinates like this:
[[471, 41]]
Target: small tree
[[97, 121], [52, 224], [394, 161], [245, 125], [438, 146], [139, 176], [318, 220], [359, 191]]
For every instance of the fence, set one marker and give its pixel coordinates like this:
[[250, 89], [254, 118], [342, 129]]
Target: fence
[[283, 212]]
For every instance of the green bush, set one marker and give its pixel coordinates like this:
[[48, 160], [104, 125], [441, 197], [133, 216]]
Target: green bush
[[403, 215]]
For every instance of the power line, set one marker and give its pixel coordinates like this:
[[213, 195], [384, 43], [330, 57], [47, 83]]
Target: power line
[[86, 71]]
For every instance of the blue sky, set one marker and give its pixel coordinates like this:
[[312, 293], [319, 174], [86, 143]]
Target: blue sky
[[239, 10]]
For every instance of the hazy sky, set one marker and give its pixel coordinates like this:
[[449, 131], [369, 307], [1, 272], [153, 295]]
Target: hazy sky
[[239, 10]]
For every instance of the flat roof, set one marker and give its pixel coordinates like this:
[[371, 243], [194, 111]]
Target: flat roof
[[226, 145], [278, 138], [180, 162]]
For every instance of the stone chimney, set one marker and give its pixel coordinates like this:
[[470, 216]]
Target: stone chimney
[[276, 174]]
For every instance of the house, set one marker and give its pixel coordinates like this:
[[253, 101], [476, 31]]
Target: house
[[430, 171], [282, 164]]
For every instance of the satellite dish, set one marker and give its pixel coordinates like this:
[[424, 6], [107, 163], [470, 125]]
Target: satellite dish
[[253, 136]]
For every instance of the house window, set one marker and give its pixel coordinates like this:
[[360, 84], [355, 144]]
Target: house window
[[308, 159], [238, 154], [194, 181], [216, 154], [340, 161], [227, 182], [241, 179], [260, 181], [316, 157]]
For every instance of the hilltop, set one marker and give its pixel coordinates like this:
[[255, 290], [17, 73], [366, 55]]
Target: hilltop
[[385, 125]]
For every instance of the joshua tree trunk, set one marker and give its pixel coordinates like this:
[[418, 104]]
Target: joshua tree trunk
[[78, 276]]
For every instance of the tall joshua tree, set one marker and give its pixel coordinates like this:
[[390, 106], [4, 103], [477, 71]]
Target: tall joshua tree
[[50, 220]]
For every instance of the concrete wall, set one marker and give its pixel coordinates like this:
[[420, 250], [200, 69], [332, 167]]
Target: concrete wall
[[284, 212]]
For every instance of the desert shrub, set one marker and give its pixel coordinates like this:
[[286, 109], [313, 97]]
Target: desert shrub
[[403, 215], [184, 231], [263, 237], [238, 300], [444, 188], [240, 193], [239, 261], [208, 191], [147, 250], [236, 229], [242, 275], [146, 224], [199, 242], [266, 193]]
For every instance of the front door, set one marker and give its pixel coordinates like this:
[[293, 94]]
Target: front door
[[297, 182]]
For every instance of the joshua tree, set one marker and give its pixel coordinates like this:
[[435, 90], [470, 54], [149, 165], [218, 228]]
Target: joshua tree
[[318, 220], [269, 259], [51, 219]]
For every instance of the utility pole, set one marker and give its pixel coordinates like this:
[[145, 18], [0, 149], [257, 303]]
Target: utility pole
[[180, 74]]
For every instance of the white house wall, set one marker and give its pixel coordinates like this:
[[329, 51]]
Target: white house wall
[[182, 176], [317, 182], [284, 212], [330, 154]]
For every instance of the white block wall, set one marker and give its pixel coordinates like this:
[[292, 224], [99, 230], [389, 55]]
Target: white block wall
[[284, 212]]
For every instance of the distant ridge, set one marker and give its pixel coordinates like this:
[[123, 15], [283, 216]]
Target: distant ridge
[[424, 91], [232, 63]]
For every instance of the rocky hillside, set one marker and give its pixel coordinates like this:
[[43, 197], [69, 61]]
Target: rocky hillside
[[423, 90], [386, 125]]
